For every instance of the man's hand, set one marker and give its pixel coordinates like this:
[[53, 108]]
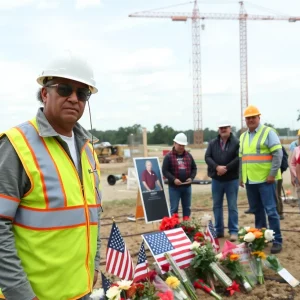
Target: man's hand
[[95, 278], [271, 179], [221, 170], [242, 184], [189, 180], [35, 298], [177, 182]]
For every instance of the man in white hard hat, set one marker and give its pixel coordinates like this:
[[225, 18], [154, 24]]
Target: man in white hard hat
[[180, 169], [222, 158], [50, 195]]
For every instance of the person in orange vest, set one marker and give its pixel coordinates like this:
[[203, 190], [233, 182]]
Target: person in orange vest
[[50, 196], [260, 160]]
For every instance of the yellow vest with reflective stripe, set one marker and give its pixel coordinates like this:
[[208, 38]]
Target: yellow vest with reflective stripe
[[257, 157], [55, 224]]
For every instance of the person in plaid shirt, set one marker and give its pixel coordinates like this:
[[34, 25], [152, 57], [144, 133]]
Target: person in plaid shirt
[[180, 169]]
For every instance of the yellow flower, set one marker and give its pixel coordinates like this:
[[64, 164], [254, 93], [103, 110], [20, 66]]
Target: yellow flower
[[172, 282], [234, 257], [259, 254], [262, 255]]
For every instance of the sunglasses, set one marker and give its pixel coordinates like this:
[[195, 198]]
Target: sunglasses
[[66, 90]]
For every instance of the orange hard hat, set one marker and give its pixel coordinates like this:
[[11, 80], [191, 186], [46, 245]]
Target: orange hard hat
[[251, 111]]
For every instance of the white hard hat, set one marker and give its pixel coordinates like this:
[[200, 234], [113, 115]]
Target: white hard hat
[[72, 67], [181, 139], [224, 123]]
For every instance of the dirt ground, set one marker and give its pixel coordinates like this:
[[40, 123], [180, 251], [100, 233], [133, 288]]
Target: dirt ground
[[118, 202]]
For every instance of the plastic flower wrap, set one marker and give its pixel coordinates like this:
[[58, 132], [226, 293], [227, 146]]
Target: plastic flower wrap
[[205, 264], [256, 240], [236, 271], [181, 275]]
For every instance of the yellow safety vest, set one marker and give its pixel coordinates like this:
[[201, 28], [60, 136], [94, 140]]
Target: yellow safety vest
[[257, 157], [55, 224]]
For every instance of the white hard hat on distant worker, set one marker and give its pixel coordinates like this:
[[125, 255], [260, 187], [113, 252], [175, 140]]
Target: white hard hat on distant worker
[[181, 139], [224, 123], [251, 111], [69, 66]]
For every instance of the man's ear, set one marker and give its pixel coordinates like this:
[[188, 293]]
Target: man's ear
[[44, 93]]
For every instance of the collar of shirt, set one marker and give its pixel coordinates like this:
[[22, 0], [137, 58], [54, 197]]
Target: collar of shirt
[[255, 130], [46, 130]]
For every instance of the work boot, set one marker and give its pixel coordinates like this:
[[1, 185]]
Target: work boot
[[276, 248], [220, 235], [248, 211], [233, 238]]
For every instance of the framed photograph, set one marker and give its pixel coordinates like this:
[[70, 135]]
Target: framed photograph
[[151, 188]]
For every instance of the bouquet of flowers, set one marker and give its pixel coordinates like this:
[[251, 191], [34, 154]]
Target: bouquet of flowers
[[192, 227], [205, 262], [127, 289], [256, 240], [232, 264]]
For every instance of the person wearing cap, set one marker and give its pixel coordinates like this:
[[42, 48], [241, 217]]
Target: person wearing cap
[[293, 157], [50, 196], [260, 160], [180, 169], [222, 159]]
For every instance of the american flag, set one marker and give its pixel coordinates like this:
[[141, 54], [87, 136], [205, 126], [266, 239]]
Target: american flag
[[141, 269], [105, 283], [118, 259], [211, 236], [173, 241]]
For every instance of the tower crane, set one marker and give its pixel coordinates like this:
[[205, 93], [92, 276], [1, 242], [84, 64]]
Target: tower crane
[[195, 16]]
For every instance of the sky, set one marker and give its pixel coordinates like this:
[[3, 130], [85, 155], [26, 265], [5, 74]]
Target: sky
[[143, 66]]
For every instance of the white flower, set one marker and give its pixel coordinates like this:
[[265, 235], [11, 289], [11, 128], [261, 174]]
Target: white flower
[[124, 284], [249, 237], [269, 235], [204, 219], [247, 228], [219, 256], [113, 293], [97, 294], [195, 245]]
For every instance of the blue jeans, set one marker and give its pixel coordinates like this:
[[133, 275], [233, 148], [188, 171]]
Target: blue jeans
[[262, 201], [219, 189], [185, 194]]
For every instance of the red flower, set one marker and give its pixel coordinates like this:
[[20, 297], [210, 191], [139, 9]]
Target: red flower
[[169, 223], [186, 218], [168, 295], [198, 237], [235, 287], [165, 267]]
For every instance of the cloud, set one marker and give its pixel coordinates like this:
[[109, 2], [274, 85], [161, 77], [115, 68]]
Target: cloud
[[15, 3], [46, 4], [85, 3]]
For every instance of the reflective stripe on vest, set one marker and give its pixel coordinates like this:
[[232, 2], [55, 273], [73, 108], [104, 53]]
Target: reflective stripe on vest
[[54, 219], [55, 223], [40, 153], [8, 206]]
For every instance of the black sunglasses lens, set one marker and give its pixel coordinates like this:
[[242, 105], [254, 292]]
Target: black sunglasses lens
[[64, 90], [83, 94]]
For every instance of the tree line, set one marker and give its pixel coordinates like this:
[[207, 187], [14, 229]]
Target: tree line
[[164, 134]]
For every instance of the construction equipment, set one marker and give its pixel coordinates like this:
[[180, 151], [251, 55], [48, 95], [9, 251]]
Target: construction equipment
[[107, 153], [195, 16]]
